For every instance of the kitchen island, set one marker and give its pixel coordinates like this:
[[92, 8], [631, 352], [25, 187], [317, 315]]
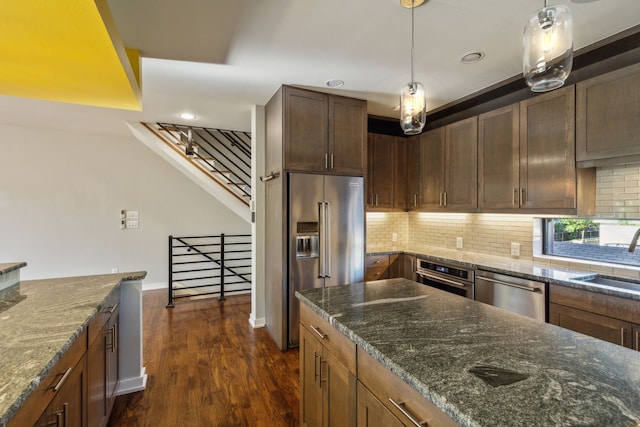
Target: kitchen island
[[480, 365], [48, 318]]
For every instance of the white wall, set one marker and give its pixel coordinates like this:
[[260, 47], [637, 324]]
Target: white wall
[[60, 199]]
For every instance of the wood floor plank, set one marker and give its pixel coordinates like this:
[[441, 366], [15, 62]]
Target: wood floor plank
[[208, 367]]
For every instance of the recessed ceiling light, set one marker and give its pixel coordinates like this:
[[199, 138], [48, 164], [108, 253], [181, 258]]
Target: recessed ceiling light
[[472, 57], [188, 116], [334, 83]]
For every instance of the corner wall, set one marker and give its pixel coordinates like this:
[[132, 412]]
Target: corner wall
[[61, 196]]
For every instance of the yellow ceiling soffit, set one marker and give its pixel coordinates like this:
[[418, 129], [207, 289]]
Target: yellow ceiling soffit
[[68, 51]]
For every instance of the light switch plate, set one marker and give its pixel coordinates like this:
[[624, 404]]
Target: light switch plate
[[459, 242], [515, 249], [394, 237]]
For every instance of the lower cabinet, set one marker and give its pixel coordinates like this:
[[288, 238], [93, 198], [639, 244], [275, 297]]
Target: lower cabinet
[[67, 407], [335, 393], [327, 379], [59, 399], [398, 398], [605, 317], [103, 364], [378, 267], [372, 413]]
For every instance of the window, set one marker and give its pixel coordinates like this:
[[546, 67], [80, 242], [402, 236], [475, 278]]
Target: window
[[602, 240]]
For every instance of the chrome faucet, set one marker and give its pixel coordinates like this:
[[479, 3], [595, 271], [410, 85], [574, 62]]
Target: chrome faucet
[[634, 241]]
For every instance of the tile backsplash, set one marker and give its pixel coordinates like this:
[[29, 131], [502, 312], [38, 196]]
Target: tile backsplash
[[618, 192]]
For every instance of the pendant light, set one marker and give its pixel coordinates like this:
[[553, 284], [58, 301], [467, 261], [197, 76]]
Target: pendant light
[[413, 101], [548, 48]]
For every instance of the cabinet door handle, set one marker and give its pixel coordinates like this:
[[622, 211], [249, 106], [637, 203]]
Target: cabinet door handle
[[622, 331], [62, 380], [317, 331], [111, 309], [522, 197], [440, 200], [445, 199], [65, 413], [637, 343], [400, 407], [315, 366], [376, 199], [415, 200], [326, 160], [513, 196], [331, 160]]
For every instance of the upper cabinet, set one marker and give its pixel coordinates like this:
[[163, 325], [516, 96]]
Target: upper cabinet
[[320, 132], [607, 112], [526, 158], [448, 167], [499, 158], [386, 174], [547, 151]]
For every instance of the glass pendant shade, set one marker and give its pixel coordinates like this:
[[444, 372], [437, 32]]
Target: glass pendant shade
[[548, 48], [413, 108]]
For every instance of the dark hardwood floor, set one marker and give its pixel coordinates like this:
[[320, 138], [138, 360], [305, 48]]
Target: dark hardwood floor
[[208, 367]]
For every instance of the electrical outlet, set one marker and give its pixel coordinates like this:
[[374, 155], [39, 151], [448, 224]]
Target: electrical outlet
[[132, 214], [114, 270], [515, 249], [394, 237], [132, 223], [459, 242]]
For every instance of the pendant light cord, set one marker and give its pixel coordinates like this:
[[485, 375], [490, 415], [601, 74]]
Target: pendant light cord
[[412, 36]]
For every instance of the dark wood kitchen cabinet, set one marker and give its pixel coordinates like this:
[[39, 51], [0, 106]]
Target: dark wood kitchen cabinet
[[60, 396], [67, 409], [526, 158], [607, 111], [609, 318], [102, 369], [412, 166], [499, 158], [372, 413], [547, 151], [317, 132], [327, 373], [448, 162], [386, 173], [378, 267]]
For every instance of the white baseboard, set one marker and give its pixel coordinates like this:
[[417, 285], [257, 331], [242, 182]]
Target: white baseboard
[[154, 286], [257, 323], [131, 385]]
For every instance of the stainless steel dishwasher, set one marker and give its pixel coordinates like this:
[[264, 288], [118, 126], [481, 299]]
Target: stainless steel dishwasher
[[521, 296]]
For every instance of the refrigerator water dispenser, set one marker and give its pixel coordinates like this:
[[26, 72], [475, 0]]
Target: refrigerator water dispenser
[[307, 240]]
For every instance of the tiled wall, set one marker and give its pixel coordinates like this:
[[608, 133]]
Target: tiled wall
[[380, 229], [618, 192], [484, 233]]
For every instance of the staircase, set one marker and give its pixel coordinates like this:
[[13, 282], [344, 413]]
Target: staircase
[[218, 160]]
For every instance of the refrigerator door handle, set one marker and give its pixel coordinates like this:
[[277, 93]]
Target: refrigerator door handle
[[321, 237], [327, 228]]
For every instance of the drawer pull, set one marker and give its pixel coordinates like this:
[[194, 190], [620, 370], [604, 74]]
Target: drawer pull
[[400, 407], [62, 380], [111, 309], [317, 331]]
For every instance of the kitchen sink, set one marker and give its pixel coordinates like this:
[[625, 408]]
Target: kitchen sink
[[614, 282]]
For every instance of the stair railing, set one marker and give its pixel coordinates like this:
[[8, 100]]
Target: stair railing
[[209, 265]]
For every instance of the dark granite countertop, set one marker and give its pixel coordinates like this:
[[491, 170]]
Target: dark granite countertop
[[37, 328], [443, 345], [519, 268]]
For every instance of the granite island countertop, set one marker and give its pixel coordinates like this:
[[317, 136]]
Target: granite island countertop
[[41, 325], [525, 269], [7, 267], [443, 345]]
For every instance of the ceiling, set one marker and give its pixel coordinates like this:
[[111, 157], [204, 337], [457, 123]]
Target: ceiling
[[217, 58]]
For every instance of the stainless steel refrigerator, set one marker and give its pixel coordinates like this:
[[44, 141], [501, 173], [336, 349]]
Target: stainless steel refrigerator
[[326, 242]]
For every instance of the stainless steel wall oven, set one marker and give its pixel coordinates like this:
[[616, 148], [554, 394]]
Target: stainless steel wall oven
[[457, 280]]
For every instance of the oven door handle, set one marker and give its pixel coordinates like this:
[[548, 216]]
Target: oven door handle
[[442, 279], [513, 285]]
